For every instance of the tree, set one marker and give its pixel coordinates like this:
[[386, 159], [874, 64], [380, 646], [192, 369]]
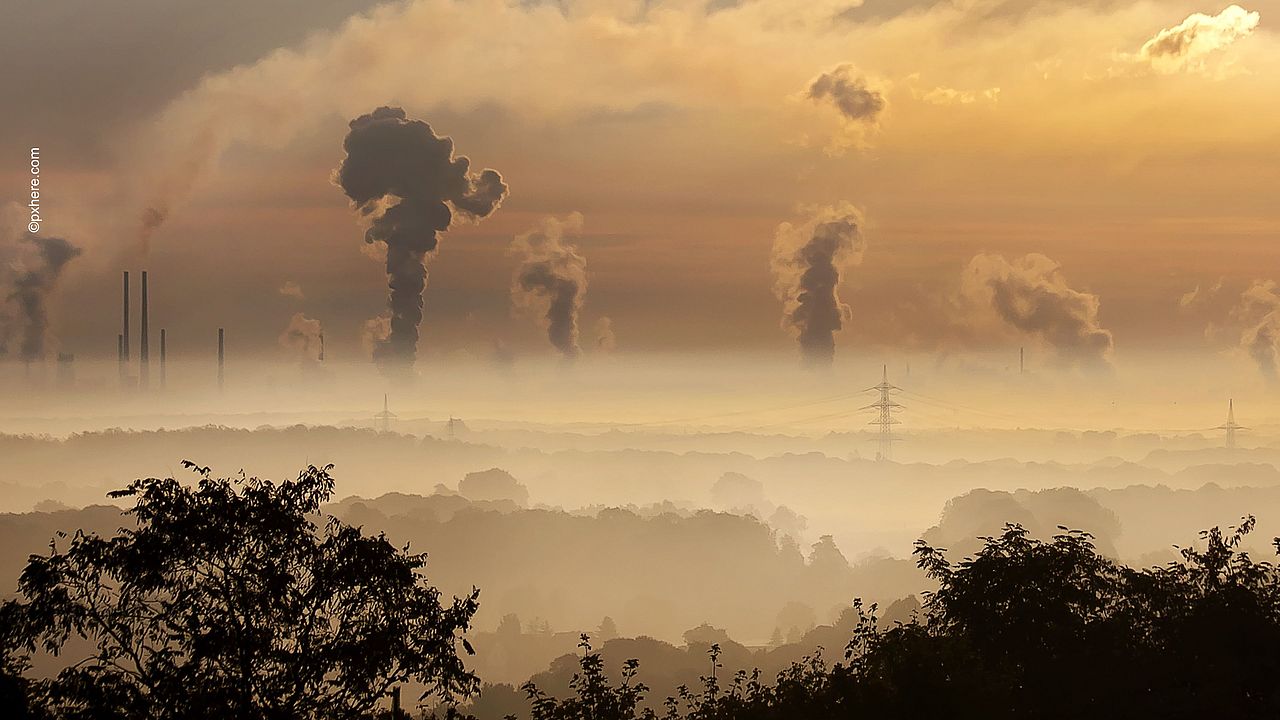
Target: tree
[[1023, 628], [229, 600]]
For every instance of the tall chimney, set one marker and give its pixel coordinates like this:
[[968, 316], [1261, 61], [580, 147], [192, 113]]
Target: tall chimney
[[1022, 361], [124, 355], [221, 356], [162, 360], [144, 354]]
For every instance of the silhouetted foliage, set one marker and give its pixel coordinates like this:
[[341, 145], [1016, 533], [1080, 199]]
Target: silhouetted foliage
[[1024, 628], [229, 600]]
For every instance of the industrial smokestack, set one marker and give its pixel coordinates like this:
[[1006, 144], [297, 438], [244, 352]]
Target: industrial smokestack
[[162, 360], [321, 358], [124, 345], [144, 355], [1022, 361], [221, 356]]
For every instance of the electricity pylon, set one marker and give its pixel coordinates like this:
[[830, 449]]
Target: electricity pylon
[[1231, 427], [885, 408], [385, 417]]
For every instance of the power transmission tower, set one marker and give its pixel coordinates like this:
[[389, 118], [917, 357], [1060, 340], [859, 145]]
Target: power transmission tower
[[885, 408], [385, 417], [1231, 427]]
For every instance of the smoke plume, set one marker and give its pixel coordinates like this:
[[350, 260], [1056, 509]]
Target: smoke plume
[[606, 339], [1031, 295], [808, 259], [552, 279], [406, 183], [29, 271], [302, 336], [1259, 310]]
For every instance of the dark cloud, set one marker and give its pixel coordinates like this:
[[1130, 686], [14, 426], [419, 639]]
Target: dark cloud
[[552, 279], [849, 93], [26, 283], [405, 181], [119, 63], [808, 260]]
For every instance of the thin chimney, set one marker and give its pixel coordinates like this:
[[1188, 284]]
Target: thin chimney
[[221, 355], [124, 354], [144, 354], [162, 359]]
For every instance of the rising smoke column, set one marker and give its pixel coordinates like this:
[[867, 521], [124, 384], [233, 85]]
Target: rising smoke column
[[302, 337], [1031, 295], [405, 181], [1259, 311], [552, 279], [808, 260], [28, 277]]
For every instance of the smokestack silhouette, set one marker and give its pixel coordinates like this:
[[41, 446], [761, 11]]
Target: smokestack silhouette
[[221, 356], [124, 355], [808, 260], [552, 279], [120, 353], [163, 377], [144, 354], [404, 180]]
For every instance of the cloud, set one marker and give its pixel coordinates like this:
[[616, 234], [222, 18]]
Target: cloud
[[1186, 45], [292, 289], [952, 96], [808, 261], [849, 93], [1031, 296]]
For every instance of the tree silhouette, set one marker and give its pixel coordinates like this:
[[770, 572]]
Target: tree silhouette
[[232, 599], [1023, 628]]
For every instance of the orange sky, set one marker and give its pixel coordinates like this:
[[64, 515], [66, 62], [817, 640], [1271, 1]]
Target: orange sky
[[1133, 143]]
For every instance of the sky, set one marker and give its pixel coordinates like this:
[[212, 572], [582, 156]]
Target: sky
[[1095, 180]]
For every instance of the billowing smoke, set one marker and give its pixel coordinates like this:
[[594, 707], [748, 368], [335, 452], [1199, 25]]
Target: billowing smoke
[[1031, 295], [808, 260], [849, 93], [405, 181], [606, 338], [551, 279], [30, 267], [303, 337], [1259, 310]]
